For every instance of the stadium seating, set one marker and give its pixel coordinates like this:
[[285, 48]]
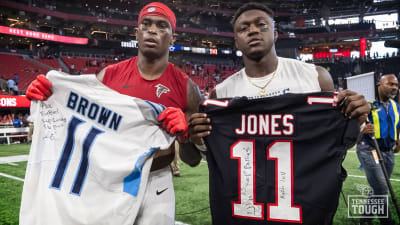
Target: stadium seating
[[86, 65], [50, 62], [207, 78], [27, 71]]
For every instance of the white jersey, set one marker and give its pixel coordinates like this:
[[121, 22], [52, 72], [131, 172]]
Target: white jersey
[[91, 154], [292, 76]]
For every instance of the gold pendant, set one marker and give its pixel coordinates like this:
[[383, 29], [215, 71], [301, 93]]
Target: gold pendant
[[262, 92]]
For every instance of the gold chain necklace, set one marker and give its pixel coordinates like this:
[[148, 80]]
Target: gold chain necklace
[[262, 91]]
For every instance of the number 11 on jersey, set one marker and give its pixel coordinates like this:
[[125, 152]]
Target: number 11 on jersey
[[283, 209], [66, 153]]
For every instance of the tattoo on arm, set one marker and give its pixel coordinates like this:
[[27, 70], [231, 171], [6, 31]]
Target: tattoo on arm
[[188, 152], [194, 98]]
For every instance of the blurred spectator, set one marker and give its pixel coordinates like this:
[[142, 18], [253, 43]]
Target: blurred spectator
[[15, 90], [4, 119], [17, 122], [25, 120], [11, 85], [16, 79], [3, 84], [93, 62]]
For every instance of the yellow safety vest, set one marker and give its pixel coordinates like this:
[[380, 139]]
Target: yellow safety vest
[[392, 113]]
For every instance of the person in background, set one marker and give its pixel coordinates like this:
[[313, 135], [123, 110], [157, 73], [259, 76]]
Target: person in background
[[6, 119], [10, 85], [25, 122], [384, 125], [72, 68], [16, 79], [15, 90], [17, 122]]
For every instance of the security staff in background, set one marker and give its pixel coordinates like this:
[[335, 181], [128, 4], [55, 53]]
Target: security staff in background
[[385, 121]]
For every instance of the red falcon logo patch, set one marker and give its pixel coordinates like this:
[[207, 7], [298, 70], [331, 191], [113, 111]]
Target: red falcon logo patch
[[161, 89]]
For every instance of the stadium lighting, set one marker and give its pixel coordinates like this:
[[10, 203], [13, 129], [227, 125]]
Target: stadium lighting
[[43, 36]]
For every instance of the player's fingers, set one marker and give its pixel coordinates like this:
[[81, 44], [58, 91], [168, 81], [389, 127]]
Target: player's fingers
[[170, 112], [195, 116], [355, 111], [345, 96], [34, 96], [359, 111], [203, 134], [345, 93], [44, 89], [346, 100], [174, 125], [355, 101], [177, 128], [44, 81], [356, 106], [200, 128], [199, 121], [197, 138], [164, 114], [34, 93], [167, 126]]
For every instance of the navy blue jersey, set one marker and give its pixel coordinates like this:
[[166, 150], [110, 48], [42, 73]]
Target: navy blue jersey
[[276, 160]]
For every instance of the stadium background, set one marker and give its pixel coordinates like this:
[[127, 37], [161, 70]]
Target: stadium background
[[345, 36]]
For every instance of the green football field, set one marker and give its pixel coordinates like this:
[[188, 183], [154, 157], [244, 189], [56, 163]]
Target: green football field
[[191, 189]]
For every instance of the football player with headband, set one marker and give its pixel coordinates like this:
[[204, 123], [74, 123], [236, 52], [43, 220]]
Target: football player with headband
[[151, 77]]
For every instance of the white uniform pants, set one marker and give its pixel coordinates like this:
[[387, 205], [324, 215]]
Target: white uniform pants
[[158, 206]]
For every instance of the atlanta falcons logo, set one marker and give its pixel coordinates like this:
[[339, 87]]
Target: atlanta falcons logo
[[161, 89]]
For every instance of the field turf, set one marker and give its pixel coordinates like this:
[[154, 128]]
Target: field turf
[[191, 189]]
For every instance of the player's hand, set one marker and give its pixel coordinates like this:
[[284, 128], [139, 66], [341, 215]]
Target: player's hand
[[368, 129], [39, 89], [174, 122], [199, 128], [355, 105]]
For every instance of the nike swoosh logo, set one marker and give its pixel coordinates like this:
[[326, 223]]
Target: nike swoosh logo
[[160, 192], [127, 86]]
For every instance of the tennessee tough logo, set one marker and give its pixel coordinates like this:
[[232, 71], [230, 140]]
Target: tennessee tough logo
[[161, 89]]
